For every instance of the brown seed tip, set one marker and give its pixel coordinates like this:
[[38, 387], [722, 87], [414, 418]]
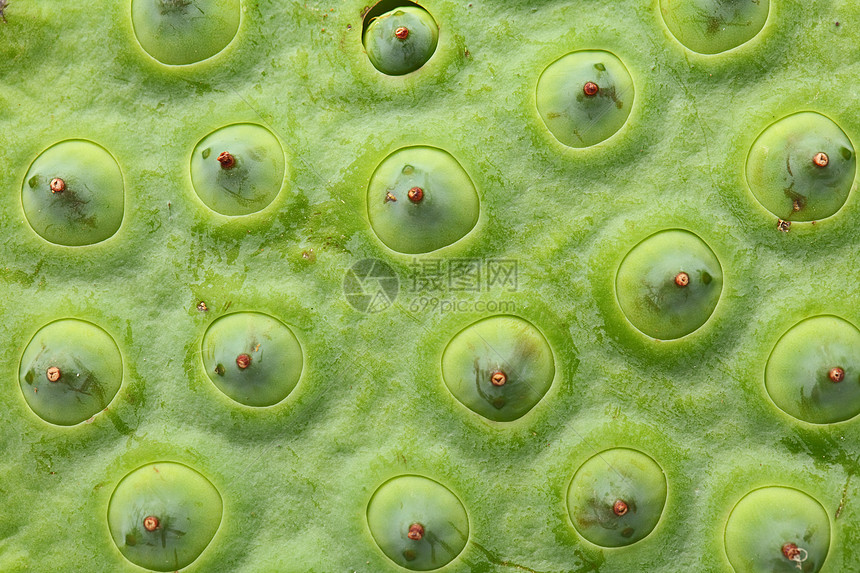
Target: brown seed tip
[[201, 306], [416, 532], [390, 197], [820, 159], [498, 378], [590, 89], [150, 523], [57, 185], [243, 361], [226, 160], [620, 507], [791, 551], [53, 374], [836, 374], [682, 279], [402, 33], [783, 226], [416, 194]]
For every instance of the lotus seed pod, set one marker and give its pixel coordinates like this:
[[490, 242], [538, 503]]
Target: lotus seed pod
[[802, 167], [163, 515], [617, 497], [447, 210], [180, 32], [70, 371], [253, 358], [73, 194], [238, 169], [777, 529], [417, 522], [402, 40], [813, 372], [499, 367], [669, 284], [585, 97], [714, 26]]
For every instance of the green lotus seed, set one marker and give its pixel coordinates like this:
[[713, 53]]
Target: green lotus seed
[[813, 372], [669, 284], [163, 515], [714, 26], [802, 167], [238, 169], [777, 529], [417, 522], [499, 367], [402, 40], [253, 358], [70, 371], [585, 97], [448, 207], [179, 32], [617, 497], [73, 194]]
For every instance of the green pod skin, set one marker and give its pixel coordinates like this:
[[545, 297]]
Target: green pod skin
[[574, 117], [187, 508], [619, 474], [783, 176], [765, 520], [647, 284], [404, 501], [448, 209], [90, 207], [254, 178], [181, 32], [714, 26], [274, 364], [506, 345], [393, 55], [90, 371], [798, 372]]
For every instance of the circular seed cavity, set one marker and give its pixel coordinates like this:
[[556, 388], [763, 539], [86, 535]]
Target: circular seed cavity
[[73, 194], [652, 289], [253, 358], [238, 169], [777, 529], [448, 207], [401, 40], [417, 522], [499, 367], [163, 515], [181, 32], [617, 497], [70, 371], [802, 167], [714, 26], [585, 97], [813, 372]]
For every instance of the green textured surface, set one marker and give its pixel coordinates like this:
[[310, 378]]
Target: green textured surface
[[296, 478]]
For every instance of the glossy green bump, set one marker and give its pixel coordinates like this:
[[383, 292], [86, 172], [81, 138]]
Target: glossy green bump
[[778, 530], [163, 515], [417, 522], [669, 284], [714, 26], [179, 32], [802, 167], [73, 194], [238, 169], [402, 40], [585, 97], [616, 497], [421, 199], [499, 367], [253, 358], [70, 371], [813, 372]]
